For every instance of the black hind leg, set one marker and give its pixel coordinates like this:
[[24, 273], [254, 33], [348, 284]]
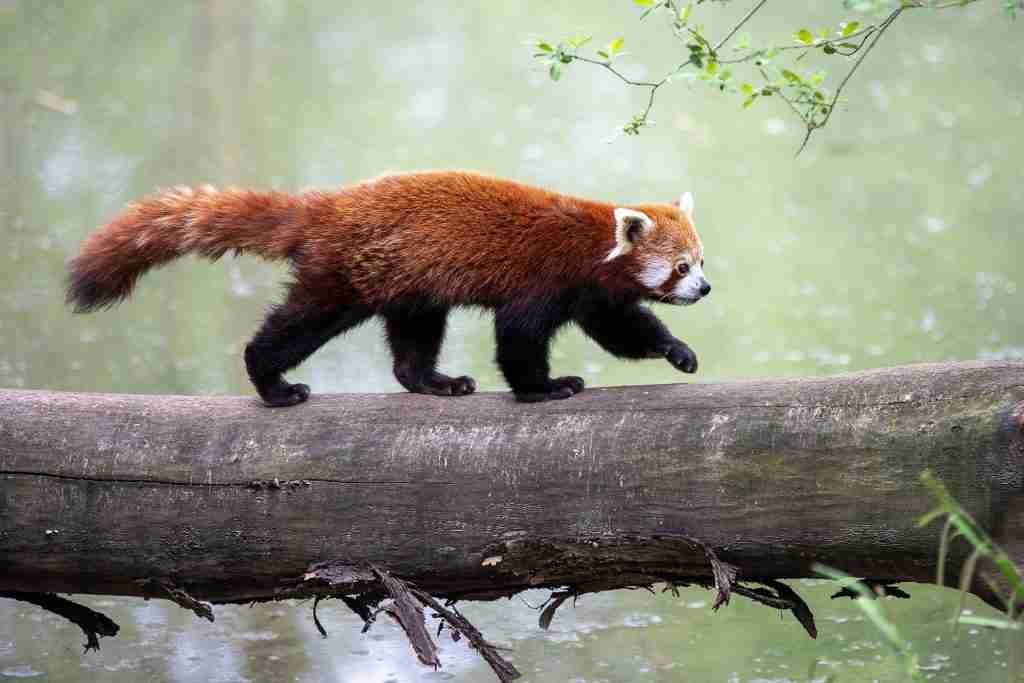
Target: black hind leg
[[289, 335], [415, 334], [524, 335]]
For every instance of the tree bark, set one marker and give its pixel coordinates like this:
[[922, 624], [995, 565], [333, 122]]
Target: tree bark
[[479, 497]]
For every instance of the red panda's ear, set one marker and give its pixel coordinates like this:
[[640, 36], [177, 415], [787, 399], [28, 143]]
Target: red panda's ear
[[685, 204], [630, 226]]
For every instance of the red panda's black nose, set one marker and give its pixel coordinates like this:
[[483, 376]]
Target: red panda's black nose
[[705, 289]]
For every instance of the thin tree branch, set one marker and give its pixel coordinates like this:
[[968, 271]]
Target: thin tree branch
[[862, 33], [811, 125], [738, 26], [624, 79], [843, 46]]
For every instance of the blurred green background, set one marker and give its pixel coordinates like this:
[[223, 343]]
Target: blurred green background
[[895, 237]]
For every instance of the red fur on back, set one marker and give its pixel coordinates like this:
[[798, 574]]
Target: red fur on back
[[456, 237]]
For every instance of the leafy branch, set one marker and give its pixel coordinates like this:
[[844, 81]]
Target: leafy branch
[[803, 92]]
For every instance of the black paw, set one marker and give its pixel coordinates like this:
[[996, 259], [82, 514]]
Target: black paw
[[443, 385], [436, 384], [557, 389], [283, 394], [682, 357]]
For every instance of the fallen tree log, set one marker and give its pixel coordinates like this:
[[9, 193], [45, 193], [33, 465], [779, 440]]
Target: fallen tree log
[[223, 500]]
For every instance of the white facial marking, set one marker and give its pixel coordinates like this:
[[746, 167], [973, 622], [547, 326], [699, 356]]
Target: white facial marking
[[622, 243], [686, 204], [655, 272], [688, 288]]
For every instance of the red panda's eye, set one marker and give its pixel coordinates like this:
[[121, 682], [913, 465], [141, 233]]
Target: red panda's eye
[[682, 269]]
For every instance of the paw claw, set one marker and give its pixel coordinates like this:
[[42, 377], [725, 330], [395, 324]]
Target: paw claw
[[463, 386], [437, 384], [682, 357], [572, 383]]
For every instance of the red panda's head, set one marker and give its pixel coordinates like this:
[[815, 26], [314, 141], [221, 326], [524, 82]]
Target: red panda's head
[[659, 248]]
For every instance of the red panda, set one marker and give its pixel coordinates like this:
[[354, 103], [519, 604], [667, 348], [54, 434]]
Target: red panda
[[408, 247]]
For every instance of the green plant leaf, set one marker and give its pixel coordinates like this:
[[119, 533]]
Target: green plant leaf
[[643, 3], [849, 28], [616, 45], [555, 71], [791, 76], [804, 36], [747, 89], [684, 14], [546, 47]]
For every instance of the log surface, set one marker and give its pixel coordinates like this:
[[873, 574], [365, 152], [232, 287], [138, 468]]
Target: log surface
[[480, 496]]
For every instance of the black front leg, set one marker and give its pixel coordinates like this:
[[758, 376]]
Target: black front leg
[[631, 330], [523, 333]]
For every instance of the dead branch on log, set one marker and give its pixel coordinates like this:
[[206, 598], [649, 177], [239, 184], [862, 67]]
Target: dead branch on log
[[501, 667], [94, 625], [165, 588], [409, 616]]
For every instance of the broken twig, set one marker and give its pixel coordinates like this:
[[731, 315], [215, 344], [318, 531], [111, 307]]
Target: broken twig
[[93, 624]]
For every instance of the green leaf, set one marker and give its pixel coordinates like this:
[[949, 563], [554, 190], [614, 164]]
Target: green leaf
[[790, 76], [804, 36], [603, 54], [555, 71], [749, 101], [545, 46], [648, 6], [828, 49], [684, 14], [711, 68], [747, 89], [849, 28], [616, 45], [743, 43]]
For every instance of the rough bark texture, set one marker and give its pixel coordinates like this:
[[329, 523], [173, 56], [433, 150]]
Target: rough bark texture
[[480, 497]]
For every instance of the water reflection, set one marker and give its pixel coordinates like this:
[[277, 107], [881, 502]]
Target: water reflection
[[892, 239], [624, 636]]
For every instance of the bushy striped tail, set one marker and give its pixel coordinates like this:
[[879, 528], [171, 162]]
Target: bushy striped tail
[[184, 220]]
